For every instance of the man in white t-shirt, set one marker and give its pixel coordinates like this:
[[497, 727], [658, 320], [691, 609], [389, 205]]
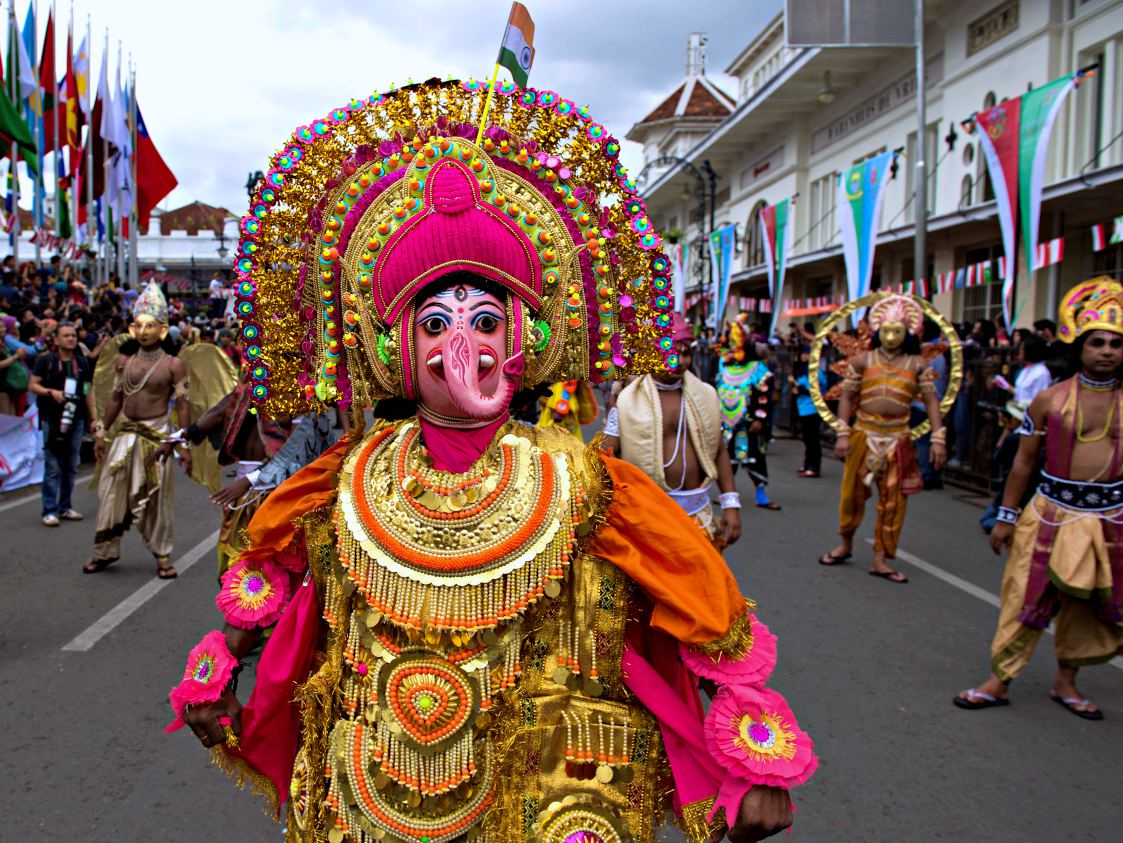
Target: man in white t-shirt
[[218, 300], [1034, 378]]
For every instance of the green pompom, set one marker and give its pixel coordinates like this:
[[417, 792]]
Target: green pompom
[[540, 335]]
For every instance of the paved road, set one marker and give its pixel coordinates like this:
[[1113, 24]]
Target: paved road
[[870, 668]]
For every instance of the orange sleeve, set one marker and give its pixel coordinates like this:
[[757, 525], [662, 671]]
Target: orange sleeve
[[273, 527], [649, 537]]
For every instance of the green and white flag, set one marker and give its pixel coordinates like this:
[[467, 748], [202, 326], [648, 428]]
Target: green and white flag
[[516, 53]]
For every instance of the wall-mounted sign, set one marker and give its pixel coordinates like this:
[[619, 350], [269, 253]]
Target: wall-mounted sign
[[890, 97]]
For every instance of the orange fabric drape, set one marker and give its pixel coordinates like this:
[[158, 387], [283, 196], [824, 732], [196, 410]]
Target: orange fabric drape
[[649, 537], [273, 527]]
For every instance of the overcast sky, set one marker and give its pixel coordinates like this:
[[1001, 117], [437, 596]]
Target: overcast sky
[[222, 83]]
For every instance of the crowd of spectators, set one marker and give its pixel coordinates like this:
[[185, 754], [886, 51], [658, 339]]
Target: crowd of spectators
[[34, 303]]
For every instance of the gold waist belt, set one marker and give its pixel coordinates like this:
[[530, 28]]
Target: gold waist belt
[[882, 425]]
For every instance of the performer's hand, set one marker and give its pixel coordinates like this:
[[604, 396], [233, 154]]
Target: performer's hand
[[731, 525], [842, 447], [229, 494], [203, 720], [764, 812], [938, 455], [162, 452], [185, 457], [1000, 535], [99, 449], [756, 427]]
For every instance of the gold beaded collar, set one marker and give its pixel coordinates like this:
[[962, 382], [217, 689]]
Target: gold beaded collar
[[437, 550]]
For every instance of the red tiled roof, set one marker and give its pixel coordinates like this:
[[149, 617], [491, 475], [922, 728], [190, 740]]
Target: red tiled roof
[[194, 218], [702, 102]]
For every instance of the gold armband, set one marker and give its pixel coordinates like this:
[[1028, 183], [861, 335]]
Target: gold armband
[[181, 388], [851, 379]]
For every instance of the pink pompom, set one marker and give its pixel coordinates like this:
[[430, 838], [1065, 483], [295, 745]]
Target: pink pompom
[[754, 735], [209, 668], [753, 668], [253, 594]]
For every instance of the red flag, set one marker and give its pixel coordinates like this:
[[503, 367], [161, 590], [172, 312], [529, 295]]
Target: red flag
[[154, 180], [75, 119], [49, 87], [95, 141]]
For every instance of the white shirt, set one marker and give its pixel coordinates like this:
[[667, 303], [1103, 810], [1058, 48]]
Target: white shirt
[[1031, 382], [216, 288]]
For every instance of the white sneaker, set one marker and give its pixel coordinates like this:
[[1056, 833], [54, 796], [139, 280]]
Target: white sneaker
[[72, 515], [50, 521]]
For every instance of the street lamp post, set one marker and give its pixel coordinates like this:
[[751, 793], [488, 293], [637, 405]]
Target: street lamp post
[[706, 180], [252, 181]]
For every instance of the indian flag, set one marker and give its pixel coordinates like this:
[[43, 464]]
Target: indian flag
[[516, 53]]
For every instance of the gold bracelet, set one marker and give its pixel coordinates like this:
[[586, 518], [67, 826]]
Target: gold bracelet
[[99, 428]]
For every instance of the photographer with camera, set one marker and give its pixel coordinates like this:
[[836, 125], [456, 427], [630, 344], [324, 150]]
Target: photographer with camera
[[62, 379]]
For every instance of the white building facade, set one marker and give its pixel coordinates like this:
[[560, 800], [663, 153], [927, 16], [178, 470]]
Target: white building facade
[[803, 116]]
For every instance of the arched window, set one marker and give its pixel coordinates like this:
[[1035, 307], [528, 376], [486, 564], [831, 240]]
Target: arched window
[[984, 189], [966, 188], [754, 237]]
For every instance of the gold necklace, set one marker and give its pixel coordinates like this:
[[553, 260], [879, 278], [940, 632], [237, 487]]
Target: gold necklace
[[128, 386], [1080, 437]]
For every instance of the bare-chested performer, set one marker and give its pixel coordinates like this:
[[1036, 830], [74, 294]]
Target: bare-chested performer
[[133, 486], [669, 425], [1066, 555]]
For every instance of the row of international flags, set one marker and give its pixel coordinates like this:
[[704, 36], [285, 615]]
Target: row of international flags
[[44, 112]]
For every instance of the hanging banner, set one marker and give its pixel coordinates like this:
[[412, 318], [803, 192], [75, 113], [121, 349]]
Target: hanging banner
[[775, 224], [861, 190], [21, 450], [1015, 142], [1040, 108], [723, 243]]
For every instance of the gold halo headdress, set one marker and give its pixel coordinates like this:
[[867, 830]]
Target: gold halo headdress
[[1094, 305], [360, 211], [885, 307]]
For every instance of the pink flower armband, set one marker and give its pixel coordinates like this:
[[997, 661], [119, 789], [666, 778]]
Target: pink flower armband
[[753, 734], [209, 668], [253, 594], [753, 668]]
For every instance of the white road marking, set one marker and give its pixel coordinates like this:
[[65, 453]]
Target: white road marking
[[115, 616], [37, 496], [962, 584]]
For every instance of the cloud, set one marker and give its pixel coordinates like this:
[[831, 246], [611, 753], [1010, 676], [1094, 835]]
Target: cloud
[[223, 82]]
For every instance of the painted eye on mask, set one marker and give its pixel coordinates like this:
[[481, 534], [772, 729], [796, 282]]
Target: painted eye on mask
[[485, 323], [435, 324]]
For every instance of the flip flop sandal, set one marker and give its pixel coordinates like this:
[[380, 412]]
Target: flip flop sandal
[[99, 565], [983, 701], [166, 572], [835, 560], [1071, 702], [893, 576]]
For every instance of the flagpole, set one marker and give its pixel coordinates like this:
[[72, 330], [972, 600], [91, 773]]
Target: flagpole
[[13, 88], [91, 223], [75, 200], [487, 104], [119, 245], [54, 121], [133, 259], [37, 201]]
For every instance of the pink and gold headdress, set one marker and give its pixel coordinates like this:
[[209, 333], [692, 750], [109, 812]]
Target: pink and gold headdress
[[902, 309], [1094, 305], [360, 211]]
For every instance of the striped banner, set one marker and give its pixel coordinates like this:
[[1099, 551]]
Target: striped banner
[[1047, 254]]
